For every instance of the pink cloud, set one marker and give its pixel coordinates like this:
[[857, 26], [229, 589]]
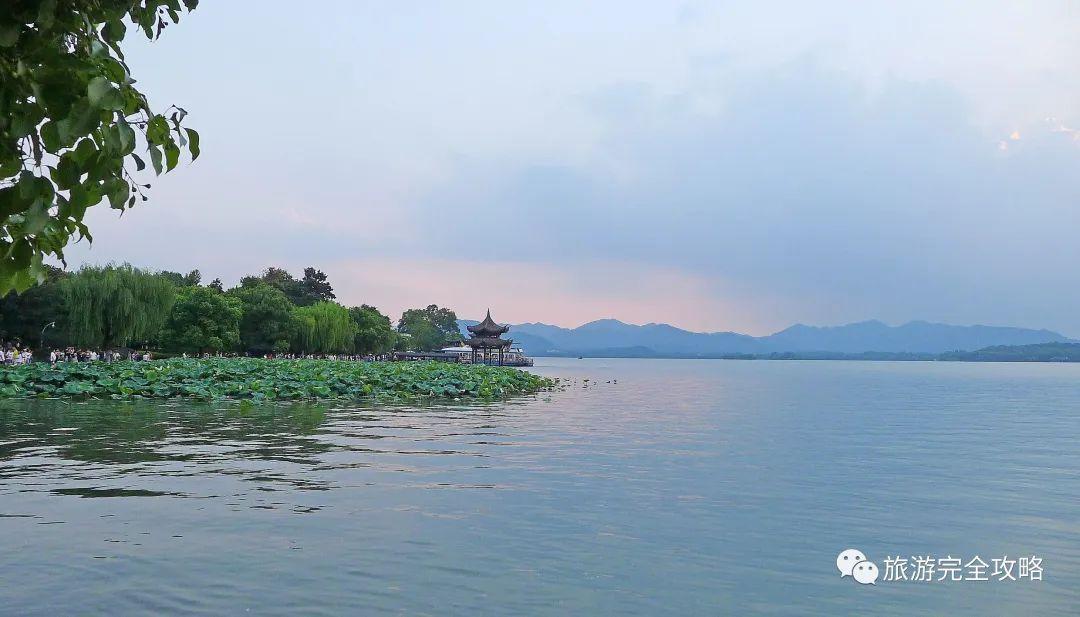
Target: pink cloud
[[525, 292]]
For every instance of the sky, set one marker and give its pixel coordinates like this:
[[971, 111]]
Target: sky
[[713, 165]]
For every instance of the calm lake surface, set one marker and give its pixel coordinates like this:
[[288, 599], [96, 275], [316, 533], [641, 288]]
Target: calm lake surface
[[658, 487]]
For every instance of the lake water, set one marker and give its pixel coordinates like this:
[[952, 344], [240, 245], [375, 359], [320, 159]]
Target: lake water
[[658, 487]]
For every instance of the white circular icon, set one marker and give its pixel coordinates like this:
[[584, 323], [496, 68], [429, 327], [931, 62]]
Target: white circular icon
[[865, 572], [847, 559]]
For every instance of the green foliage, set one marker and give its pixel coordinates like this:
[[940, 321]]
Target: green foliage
[[420, 336], [24, 316], [429, 328], [374, 334], [266, 322], [71, 120], [257, 379], [1038, 352], [202, 320], [324, 327], [315, 285], [183, 280], [120, 305], [303, 292], [115, 305]]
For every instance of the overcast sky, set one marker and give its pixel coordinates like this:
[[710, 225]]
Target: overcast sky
[[717, 166]]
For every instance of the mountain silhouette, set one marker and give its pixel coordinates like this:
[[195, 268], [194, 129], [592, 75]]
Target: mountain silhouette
[[614, 337]]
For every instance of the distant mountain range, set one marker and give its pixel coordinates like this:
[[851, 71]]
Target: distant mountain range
[[613, 338]]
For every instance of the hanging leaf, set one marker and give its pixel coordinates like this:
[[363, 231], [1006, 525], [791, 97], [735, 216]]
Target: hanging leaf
[[155, 159], [193, 143], [172, 155]]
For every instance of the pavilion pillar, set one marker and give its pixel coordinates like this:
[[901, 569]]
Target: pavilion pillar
[[485, 339]]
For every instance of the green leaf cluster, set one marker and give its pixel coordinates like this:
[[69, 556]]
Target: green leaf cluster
[[252, 378], [374, 335], [202, 320], [312, 288], [71, 122], [266, 318], [428, 328]]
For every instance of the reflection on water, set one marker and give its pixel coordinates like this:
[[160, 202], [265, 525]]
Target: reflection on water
[[655, 487], [123, 445]]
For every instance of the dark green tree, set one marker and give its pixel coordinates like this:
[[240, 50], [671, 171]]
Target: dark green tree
[[25, 316], [115, 305], [216, 285], [202, 320], [429, 328], [315, 285], [193, 278], [175, 278], [301, 292], [374, 334], [266, 322], [183, 280], [280, 279], [71, 120]]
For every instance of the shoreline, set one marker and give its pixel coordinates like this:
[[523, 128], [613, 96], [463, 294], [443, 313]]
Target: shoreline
[[1056, 353], [814, 359]]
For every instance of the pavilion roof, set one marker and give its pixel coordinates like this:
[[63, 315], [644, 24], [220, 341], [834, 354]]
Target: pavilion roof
[[492, 342], [488, 327]]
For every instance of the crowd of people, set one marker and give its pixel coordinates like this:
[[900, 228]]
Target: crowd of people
[[317, 356], [89, 355], [14, 353]]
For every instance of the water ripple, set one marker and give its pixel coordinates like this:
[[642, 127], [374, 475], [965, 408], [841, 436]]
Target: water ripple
[[655, 487]]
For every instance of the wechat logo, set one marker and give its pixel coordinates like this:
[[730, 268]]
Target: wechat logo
[[852, 562]]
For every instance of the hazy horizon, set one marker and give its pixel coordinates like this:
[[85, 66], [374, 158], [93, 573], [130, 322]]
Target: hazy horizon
[[731, 168], [810, 325]]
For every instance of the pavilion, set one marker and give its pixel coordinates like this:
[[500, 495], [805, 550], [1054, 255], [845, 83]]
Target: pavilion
[[484, 337]]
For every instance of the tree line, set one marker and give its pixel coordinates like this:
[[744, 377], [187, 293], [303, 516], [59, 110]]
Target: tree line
[[115, 306]]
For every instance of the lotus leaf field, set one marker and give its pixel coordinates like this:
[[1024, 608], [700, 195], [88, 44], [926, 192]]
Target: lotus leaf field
[[259, 379]]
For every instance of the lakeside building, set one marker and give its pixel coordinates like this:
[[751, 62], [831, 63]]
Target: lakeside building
[[485, 337], [513, 356], [440, 356], [486, 345]]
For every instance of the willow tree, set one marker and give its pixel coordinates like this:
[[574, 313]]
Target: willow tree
[[71, 121], [324, 327], [115, 305]]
